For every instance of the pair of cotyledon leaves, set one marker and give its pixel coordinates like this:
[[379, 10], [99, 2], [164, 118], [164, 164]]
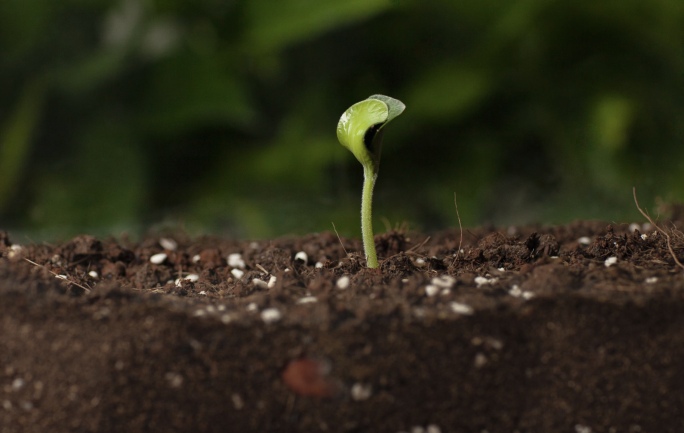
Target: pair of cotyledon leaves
[[360, 127]]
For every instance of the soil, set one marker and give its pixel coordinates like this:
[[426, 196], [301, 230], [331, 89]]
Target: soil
[[576, 328]]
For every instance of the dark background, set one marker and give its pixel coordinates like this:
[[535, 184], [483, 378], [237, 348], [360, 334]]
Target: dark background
[[219, 116]]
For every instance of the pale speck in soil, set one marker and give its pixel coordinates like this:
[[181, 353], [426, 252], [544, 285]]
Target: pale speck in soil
[[480, 281], [235, 261], [431, 290], [271, 315], [302, 257], [343, 282], [361, 391], [460, 308], [158, 258], [584, 240], [610, 261], [307, 300], [168, 244], [237, 273]]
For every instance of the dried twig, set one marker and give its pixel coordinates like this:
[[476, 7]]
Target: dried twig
[[61, 277], [665, 233], [460, 226]]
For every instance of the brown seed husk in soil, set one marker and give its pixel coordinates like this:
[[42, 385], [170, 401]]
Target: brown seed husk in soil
[[532, 329]]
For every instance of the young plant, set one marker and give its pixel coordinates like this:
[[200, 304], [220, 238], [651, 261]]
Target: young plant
[[360, 130]]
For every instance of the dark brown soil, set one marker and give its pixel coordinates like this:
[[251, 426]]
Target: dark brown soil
[[577, 328]]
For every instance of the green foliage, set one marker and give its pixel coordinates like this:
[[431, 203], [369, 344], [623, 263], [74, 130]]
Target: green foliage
[[218, 113]]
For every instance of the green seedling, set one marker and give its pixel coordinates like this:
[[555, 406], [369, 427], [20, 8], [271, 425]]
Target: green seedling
[[360, 130]]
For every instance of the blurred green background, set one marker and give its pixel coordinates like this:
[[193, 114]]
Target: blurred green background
[[219, 116]]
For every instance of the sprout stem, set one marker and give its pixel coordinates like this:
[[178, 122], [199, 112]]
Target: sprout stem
[[369, 177]]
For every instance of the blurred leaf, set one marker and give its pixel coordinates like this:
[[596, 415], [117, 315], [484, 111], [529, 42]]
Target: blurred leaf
[[191, 89], [103, 184], [448, 91], [277, 24], [16, 135]]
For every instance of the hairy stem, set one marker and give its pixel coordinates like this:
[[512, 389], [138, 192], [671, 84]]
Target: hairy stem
[[369, 177]]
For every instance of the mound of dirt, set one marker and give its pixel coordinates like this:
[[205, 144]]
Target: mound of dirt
[[576, 328]]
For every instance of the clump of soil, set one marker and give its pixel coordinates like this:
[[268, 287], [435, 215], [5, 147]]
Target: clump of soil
[[576, 328]]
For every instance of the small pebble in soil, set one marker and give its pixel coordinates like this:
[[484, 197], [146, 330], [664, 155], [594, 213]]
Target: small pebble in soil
[[158, 259], [460, 308], [237, 273], [168, 244], [271, 315], [309, 377], [610, 261], [343, 282], [235, 261], [361, 391], [584, 240], [301, 257]]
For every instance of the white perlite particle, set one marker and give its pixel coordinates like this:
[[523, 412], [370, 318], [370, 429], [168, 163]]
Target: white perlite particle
[[261, 284], [237, 273], [271, 282], [15, 251], [302, 257], [445, 281], [168, 244], [459, 308], [343, 282], [271, 315], [651, 280], [307, 300], [432, 428], [158, 259], [431, 290], [480, 281], [196, 258], [360, 391], [584, 240], [235, 261], [193, 278], [579, 428], [93, 274], [610, 261]]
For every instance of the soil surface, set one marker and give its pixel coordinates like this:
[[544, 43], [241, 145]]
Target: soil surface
[[576, 328]]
